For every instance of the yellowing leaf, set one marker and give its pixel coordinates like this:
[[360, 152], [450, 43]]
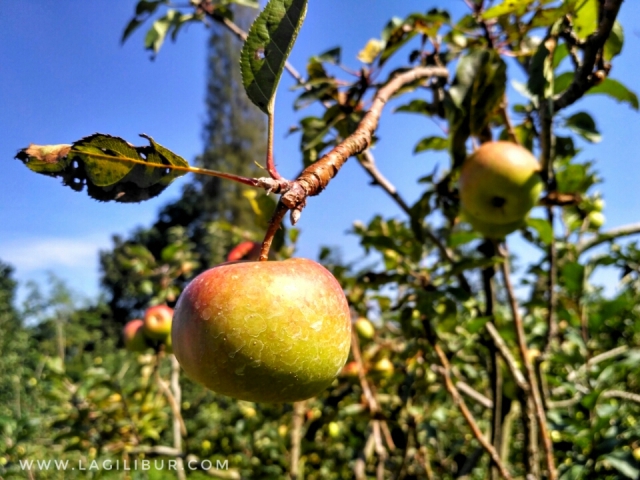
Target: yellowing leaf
[[370, 52]]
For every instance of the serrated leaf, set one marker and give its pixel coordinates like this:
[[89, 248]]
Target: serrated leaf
[[431, 143], [110, 167], [583, 124], [265, 52]]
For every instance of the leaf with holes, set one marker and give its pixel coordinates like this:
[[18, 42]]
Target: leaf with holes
[[267, 47], [110, 167]]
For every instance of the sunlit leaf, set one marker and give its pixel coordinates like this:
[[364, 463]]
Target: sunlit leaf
[[583, 124], [507, 7], [431, 143], [265, 52], [110, 167], [614, 43], [371, 50]]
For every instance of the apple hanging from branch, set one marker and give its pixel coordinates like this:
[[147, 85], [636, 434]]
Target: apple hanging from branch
[[268, 331], [157, 322], [499, 184], [133, 335]]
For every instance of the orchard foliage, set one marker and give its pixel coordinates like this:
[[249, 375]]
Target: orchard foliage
[[479, 364]]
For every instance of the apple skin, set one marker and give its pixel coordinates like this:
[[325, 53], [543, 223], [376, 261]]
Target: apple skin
[[274, 331], [499, 183], [134, 337], [157, 322], [491, 230], [245, 251]]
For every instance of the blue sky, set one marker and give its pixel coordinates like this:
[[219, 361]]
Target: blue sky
[[65, 75]]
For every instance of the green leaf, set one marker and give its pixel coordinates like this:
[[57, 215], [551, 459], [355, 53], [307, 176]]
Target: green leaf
[[616, 90], [583, 124], [431, 143], [330, 56], [158, 31], [476, 93], [144, 9], [613, 45], [507, 7], [562, 82], [543, 227], [417, 106], [585, 17], [265, 52], [575, 472], [541, 78], [624, 463], [110, 167]]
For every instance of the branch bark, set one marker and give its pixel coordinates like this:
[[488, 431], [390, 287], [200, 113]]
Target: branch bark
[[468, 416], [584, 77], [534, 392]]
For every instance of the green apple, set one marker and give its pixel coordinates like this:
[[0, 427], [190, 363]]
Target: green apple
[[365, 328], [499, 184], [384, 366], [274, 331], [134, 337], [596, 219], [157, 322]]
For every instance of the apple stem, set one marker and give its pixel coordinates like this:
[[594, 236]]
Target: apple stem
[[274, 225]]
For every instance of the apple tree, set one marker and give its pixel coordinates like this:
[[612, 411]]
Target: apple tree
[[458, 367]]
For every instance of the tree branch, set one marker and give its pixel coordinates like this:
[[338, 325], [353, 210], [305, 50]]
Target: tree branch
[[584, 77], [468, 416], [604, 237], [502, 347], [317, 176], [534, 392]]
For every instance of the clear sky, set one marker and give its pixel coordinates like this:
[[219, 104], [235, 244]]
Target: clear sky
[[65, 75]]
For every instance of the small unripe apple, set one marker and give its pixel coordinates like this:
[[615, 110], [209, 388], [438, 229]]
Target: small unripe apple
[[596, 219], [499, 184], [245, 251], [365, 328], [384, 366], [274, 331], [157, 322], [134, 337], [334, 429], [598, 204]]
